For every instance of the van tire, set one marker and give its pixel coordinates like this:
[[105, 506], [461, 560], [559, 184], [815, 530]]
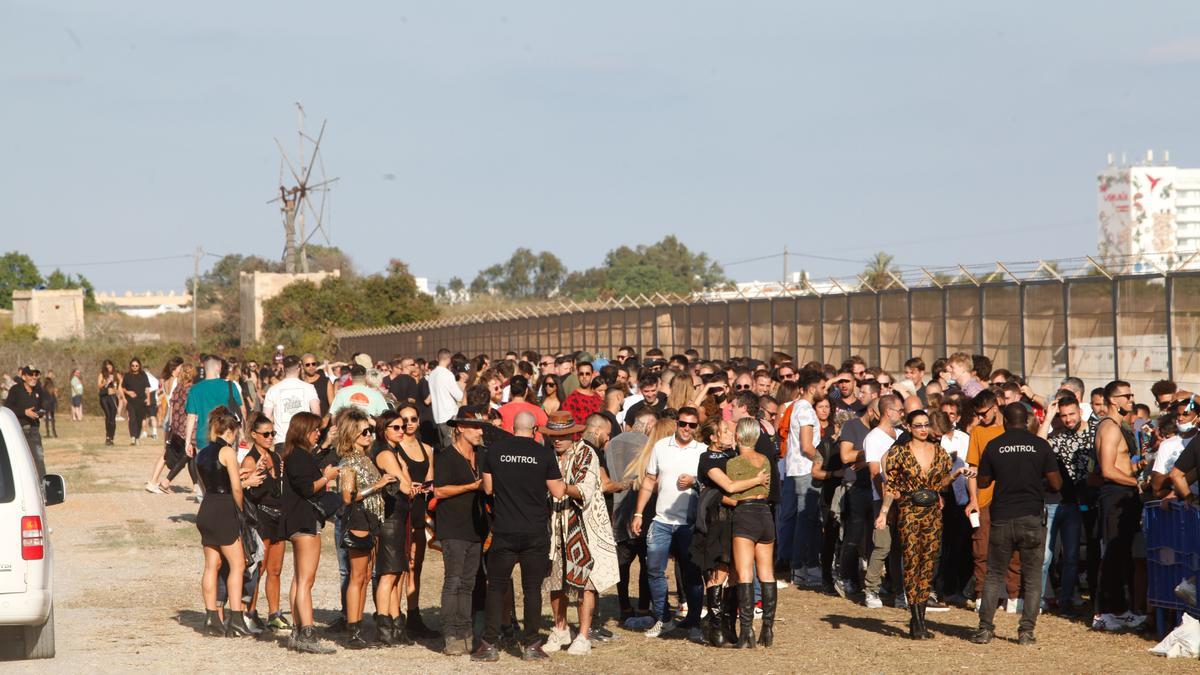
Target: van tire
[[39, 640]]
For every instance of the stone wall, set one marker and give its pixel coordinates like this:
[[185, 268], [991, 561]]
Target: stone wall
[[254, 288], [57, 314]]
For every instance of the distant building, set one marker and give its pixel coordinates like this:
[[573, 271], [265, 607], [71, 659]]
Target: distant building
[[1149, 210], [148, 303], [58, 315], [255, 288]]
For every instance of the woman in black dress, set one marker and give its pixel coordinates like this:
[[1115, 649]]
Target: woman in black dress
[[392, 562], [303, 480], [219, 522], [362, 492], [267, 498], [418, 458], [136, 388], [108, 384]]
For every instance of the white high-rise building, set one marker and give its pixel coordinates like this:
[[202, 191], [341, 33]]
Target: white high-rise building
[[1149, 210]]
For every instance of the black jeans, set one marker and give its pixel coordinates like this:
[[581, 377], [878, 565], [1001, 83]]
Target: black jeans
[[955, 565], [628, 551], [461, 562], [1121, 511], [532, 551], [1027, 536], [109, 405], [857, 522], [136, 410], [33, 437]]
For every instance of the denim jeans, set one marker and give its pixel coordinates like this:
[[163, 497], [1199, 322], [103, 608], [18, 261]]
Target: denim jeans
[[661, 541], [785, 521], [461, 561], [806, 542], [1065, 522], [343, 557], [1027, 536]]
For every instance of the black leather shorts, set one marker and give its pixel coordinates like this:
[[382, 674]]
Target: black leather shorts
[[753, 520]]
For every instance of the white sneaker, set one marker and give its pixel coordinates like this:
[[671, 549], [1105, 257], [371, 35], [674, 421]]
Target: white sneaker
[[1132, 621], [581, 646], [1013, 606], [781, 584], [1107, 622], [558, 639], [660, 628], [153, 488], [873, 601]]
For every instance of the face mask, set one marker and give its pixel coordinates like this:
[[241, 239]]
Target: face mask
[[951, 382], [1186, 427]]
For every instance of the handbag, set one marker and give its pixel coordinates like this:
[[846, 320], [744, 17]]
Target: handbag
[[354, 542], [327, 505], [923, 498], [232, 405], [176, 454], [251, 543]]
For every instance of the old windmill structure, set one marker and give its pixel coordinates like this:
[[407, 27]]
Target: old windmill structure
[[306, 200]]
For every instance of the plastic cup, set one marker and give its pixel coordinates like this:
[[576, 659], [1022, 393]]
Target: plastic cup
[[974, 518]]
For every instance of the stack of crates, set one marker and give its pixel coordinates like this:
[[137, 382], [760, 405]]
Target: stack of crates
[[1172, 553]]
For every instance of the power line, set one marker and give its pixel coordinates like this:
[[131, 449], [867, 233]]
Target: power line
[[118, 262]]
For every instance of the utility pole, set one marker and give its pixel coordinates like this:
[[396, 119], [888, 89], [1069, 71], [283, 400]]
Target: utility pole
[[195, 290], [785, 260]]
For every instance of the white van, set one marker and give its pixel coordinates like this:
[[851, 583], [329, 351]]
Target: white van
[[26, 557]]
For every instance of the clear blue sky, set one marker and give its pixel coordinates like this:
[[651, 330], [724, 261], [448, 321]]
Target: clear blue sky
[[943, 132]]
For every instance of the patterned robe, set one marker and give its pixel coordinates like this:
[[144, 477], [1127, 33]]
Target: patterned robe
[[583, 555], [920, 527]]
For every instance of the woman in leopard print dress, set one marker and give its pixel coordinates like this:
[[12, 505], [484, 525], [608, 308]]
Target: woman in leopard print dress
[[915, 473]]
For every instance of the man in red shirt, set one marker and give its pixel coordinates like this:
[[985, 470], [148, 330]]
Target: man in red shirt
[[518, 388], [588, 398]]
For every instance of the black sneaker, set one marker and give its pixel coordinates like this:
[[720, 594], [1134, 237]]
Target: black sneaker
[[982, 636], [337, 626], [1026, 638], [485, 653], [455, 646], [600, 635], [534, 652]]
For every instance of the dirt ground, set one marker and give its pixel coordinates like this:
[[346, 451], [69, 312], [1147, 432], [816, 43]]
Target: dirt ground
[[128, 597]]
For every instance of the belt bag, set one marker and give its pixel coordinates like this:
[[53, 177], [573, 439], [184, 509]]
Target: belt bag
[[270, 512], [923, 498]]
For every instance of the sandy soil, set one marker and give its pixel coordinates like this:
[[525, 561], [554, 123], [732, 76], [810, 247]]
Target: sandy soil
[[128, 597]]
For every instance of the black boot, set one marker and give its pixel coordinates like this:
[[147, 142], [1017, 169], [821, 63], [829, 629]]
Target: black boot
[[237, 625], [213, 626], [745, 594], [729, 616], [770, 598], [383, 630], [400, 631], [926, 634], [915, 632], [354, 636], [714, 598]]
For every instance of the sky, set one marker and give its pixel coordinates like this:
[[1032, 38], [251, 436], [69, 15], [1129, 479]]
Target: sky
[[941, 132]]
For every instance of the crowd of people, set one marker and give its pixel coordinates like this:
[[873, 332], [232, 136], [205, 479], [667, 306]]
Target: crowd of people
[[950, 485]]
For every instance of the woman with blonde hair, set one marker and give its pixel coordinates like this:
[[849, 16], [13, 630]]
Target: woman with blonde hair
[[362, 492], [681, 393], [753, 536]]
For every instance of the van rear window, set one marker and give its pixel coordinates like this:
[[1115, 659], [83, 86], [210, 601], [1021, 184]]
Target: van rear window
[[7, 492]]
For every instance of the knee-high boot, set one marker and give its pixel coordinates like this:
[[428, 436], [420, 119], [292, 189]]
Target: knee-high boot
[[714, 598], [770, 598], [745, 594]]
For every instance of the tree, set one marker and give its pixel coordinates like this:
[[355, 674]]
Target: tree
[[667, 266], [306, 313], [58, 281], [17, 272], [879, 270], [328, 259], [524, 275]]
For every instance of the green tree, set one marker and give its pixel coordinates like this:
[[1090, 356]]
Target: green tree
[[524, 275], [667, 266], [877, 271], [60, 281], [17, 272]]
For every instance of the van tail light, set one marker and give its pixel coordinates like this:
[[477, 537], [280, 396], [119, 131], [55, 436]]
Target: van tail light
[[32, 539]]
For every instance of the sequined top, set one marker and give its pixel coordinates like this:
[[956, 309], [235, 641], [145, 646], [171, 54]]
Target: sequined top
[[365, 475]]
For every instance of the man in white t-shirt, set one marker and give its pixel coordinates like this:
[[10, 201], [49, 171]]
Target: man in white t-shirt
[[674, 462], [875, 446], [287, 397], [1186, 424], [444, 395], [800, 502]]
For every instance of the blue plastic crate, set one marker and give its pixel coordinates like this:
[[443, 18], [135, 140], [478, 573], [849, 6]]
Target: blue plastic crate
[[1172, 552]]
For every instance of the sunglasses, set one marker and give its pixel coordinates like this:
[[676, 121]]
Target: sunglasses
[[982, 413], [396, 427], [688, 425], [922, 426], [741, 387], [366, 432], [266, 434], [546, 364], [410, 420], [551, 385], [310, 363]]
